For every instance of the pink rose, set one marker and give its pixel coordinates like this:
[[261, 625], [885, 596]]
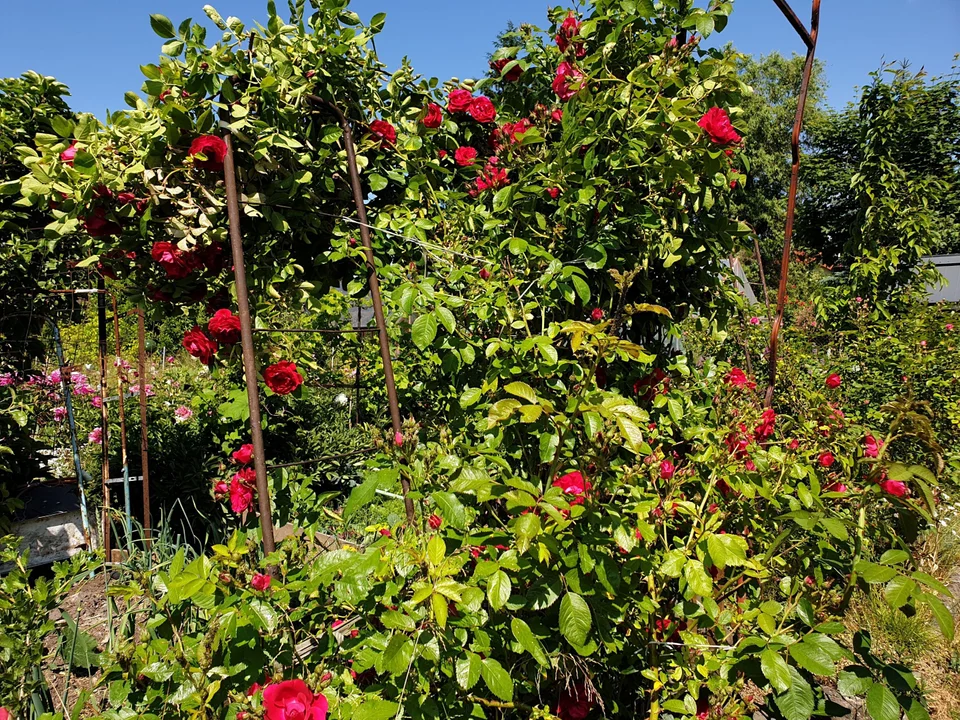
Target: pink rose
[[433, 117], [459, 100], [871, 447], [212, 148], [754, 320], [465, 156], [68, 155], [398, 438], [182, 414], [482, 110], [260, 582], [716, 123], [293, 700], [949, 327]]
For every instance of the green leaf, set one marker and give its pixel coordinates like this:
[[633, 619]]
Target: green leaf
[[575, 619], [797, 703], [812, 658], [470, 397], [398, 654], [776, 670], [367, 490], [376, 709], [440, 610], [727, 550], [894, 557], [78, 648], [498, 589], [932, 583], [581, 287], [162, 26], [446, 319], [378, 182], [549, 442], [522, 390], [436, 550], [526, 529], [468, 670], [451, 509], [424, 330], [881, 704], [940, 613], [873, 573], [854, 680], [898, 591], [673, 562], [524, 635], [62, 126], [497, 679], [172, 48], [697, 578]]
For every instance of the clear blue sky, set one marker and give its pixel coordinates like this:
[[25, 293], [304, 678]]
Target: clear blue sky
[[97, 46]]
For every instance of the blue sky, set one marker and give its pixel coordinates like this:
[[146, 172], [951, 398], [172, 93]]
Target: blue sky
[[97, 46]]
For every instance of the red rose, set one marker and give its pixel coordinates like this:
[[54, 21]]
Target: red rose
[[738, 378], [253, 689], [398, 438], [459, 100], [649, 385], [282, 377], [569, 29], [199, 345], [667, 470], [557, 115], [465, 156], [260, 581], [5, 714], [225, 327], [793, 444], [441, 153], [596, 314], [767, 422], [484, 274], [894, 487], [716, 123], [244, 455], [435, 521], [241, 495], [68, 155], [434, 116], [513, 74], [574, 703], [871, 448], [482, 110], [383, 130], [97, 224], [826, 459], [491, 177], [573, 484], [125, 198], [833, 381], [292, 700], [836, 487], [750, 465], [171, 259], [553, 192], [567, 81], [213, 149], [385, 532]]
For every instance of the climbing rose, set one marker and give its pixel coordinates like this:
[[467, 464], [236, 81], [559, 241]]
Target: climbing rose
[[716, 123], [241, 491], [567, 81], [833, 381], [171, 259], [573, 483], [491, 177], [738, 378], [574, 703], [793, 444], [435, 521], [59, 413], [754, 320], [513, 74], [596, 314], [434, 116], [384, 131], [666, 470], [68, 155], [97, 224], [826, 459], [484, 274], [871, 448], [95, 436], [244, 455], [182, 414], [647, 387], [260, 581], [553, 192], [199, 345], [225, 327], [213, 148], [767, 422], [292, 700], [894, 487], [569, 29], [482, 110], [949, 327], [282, 377], [557, 115], [459, 100], [465, 156], [836, 487]]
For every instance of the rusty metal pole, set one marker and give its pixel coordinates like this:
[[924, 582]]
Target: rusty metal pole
[[374, 282], [246, 344], [144, 453], [811, 41], [104, 417]]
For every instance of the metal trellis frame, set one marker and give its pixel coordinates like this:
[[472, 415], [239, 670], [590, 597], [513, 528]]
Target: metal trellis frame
[[809, 38]]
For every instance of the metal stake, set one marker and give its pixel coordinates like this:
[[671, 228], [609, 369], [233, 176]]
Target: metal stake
[[104, 417]]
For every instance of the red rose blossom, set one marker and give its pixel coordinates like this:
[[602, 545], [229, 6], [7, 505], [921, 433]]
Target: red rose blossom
[[244, 455], [260, 581], [573, 483], [569, 29], [225, 327], [384, 131], [241, 494], [666, 470], [871, 447], [567, 82], [894, 487], [833, 381], [826, 459], [716, 123], [557, 115], [553, 192], [596, 314], [482, 110], [68, 155], [293, 700], [282, 377], [484, 274], [97, 225], [172, 259], [465, 156], [435, 521], [459, 100], [213, 149], [398, 438], [434, 117], [513, 74], [574, 704], [767, 422], [492, 177], [199, 345], [738, 378]]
